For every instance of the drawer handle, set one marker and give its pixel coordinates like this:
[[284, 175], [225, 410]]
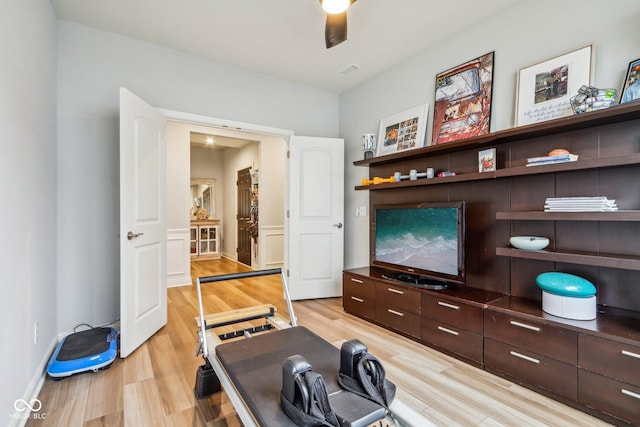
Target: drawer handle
[[522, 356], [630, 393], [525, 326], [357, 299], [445, 304], [449, 331], [397, 313], [630, 354], [395, 291], [357, 280]]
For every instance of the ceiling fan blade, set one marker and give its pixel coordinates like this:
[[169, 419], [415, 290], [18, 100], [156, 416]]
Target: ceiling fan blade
[[335, 31]]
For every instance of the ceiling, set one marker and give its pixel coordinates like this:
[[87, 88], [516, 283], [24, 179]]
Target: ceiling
[[215, 141], [285, 38]]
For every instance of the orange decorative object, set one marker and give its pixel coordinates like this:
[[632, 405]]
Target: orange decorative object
[[558, 151], [377, 180]]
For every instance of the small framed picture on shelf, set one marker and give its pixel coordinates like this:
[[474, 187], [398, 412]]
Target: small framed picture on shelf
[[487, 160], [631, 86], [402, 131]]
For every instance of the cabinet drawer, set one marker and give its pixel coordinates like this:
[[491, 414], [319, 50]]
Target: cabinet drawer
[[400, 297], [398, 319], [360, 286], [555, 342], [451, 338], [454, 313], [359, 306], [610, 358], [532, 368], [607, 395]]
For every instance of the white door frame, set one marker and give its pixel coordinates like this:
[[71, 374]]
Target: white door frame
[[225, 124]]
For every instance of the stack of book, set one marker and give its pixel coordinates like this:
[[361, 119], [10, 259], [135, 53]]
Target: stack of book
[[579, 204], [551, 160]]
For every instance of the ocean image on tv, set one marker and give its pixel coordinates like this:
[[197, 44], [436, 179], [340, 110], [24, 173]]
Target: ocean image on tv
[[419, 238]]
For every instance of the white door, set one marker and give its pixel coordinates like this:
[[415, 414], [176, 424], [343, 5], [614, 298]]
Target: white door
[[143, 278], [315, 217]]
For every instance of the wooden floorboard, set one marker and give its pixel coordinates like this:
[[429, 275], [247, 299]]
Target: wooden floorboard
[[154, 386]]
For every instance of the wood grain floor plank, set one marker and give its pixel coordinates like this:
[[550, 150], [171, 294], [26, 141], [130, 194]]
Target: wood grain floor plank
[[138, 367], [142, 404], [105, 397]]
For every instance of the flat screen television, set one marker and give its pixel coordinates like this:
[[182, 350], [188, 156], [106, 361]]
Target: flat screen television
[[421, 243]]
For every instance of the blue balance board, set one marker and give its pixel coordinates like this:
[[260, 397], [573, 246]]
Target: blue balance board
[[565, 284], [88, 350]]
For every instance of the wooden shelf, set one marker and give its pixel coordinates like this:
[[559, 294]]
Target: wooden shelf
[[625, 262], [615, 114], [606, 162], [628, 160], [626, 216], [429, 181]]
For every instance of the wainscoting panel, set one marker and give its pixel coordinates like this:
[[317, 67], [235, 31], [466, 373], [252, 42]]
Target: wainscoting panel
[[272, 247], [178, 258]]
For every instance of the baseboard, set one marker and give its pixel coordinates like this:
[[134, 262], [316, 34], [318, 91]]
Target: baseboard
[[32, 406], [177, 283]]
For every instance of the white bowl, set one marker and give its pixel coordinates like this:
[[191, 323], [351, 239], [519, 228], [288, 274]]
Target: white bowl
[[529, 243]]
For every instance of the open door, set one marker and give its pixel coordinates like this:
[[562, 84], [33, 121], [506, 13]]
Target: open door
[[243, 216], [315, 217], [143, 251]]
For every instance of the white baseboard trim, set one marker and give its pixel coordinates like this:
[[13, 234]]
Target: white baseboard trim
[[19, 419], [175, 283]]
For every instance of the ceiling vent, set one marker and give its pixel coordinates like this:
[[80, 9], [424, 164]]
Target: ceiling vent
[[350, 69]]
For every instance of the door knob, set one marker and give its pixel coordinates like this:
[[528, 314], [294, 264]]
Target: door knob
[[132, 235], [338, 225]]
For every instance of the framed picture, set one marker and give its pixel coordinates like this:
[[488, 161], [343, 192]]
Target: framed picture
[[463, 101], [631, 86], [487, 160], [402, 131], [544, 89]]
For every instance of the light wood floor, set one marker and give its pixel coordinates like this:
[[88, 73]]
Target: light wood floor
[[154, 386]]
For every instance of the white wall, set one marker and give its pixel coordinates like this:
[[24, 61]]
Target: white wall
[[28, 192], [93, 64], [272, 185], [523, 35]]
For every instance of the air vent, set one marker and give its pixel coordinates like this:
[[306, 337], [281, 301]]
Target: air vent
[[350, 69]]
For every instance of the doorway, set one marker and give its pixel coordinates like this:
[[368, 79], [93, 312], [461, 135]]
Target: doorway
[[260, 150], [243, 184]]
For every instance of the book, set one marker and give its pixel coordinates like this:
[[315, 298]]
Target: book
[[580, 204], [567, 156], [550, 160]]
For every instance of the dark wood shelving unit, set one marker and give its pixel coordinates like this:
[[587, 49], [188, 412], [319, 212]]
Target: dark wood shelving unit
[[599, 246]]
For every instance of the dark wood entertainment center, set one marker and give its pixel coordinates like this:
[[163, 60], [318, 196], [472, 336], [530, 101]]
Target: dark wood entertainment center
[[496, 321]]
